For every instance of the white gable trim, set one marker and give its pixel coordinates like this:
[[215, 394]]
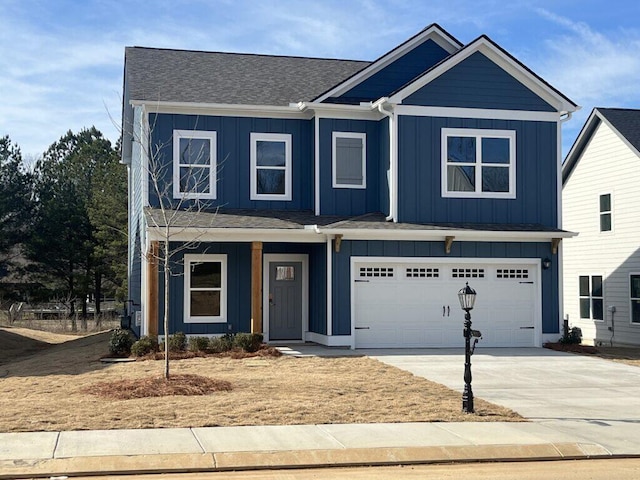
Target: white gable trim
[[500, 58], [434, 33]]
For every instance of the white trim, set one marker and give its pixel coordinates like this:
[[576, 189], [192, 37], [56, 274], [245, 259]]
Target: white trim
[[145, 133], [631, 322], [330, 341], [479, 135], [212, 258], [223, 109], [500, 58], [144, 285], [363, 160], [310, 235], [484, 113], [364, 111], [393, 146], [316, 164], [329, 270], [211, 136], [433, 33], [271, 137], [531, 262], [285, 257]]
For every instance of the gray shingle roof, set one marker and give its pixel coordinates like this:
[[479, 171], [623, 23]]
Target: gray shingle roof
[[626, 121], [155, 74]]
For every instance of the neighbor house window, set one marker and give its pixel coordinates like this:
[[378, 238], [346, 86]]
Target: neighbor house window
[[205, 288], [605, 212], [591, 297], [194, 164], [478, 163], [270, 166], [634, 292], [349, 160]]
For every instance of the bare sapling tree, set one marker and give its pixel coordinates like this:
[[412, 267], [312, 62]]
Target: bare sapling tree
[[182, 191]]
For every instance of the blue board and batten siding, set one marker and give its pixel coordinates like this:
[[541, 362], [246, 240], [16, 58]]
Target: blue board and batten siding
[[477, 82], [419, 172], [238, 294], [341, 321], [234, 153], [396, 74]]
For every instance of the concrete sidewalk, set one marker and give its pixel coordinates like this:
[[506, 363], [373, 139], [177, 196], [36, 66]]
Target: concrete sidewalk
[[44, 454]]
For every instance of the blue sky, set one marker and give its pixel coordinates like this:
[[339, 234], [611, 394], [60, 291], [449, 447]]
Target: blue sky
[[61, 61]]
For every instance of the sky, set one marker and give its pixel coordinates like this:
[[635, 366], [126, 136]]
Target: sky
[[61, 62]]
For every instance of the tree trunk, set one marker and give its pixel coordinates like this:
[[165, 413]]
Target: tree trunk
[[166, 305]]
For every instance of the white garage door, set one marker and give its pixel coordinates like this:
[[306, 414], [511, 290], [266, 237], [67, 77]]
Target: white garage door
[[414, 303]]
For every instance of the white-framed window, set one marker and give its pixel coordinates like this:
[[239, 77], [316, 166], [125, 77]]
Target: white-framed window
[[605, 212], [634, 297], [270, 166], [194, 164], [349, 159], [205, 288], [478, 163], [591, 294]]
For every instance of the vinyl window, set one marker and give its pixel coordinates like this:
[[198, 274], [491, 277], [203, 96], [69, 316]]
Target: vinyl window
[[478, 163], [591, 297], [605, 212], [194, 164], [634, 296], [270, 166], [349, 160], [205, 288]]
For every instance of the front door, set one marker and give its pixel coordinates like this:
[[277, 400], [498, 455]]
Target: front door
[[285, 300]]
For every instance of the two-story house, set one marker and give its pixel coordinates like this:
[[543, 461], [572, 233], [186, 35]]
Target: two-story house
[[601, 200], [346, 202]]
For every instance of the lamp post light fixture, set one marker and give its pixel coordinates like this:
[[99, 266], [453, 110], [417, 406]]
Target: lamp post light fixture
[[467, 297]]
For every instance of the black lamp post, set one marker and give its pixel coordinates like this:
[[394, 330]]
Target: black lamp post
[[467, 297]]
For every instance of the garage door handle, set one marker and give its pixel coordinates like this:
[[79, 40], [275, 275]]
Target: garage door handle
[[527, 282], [366, 281], [362, 328], [527, 328]]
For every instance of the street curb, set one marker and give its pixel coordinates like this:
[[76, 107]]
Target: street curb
[[292, 459]]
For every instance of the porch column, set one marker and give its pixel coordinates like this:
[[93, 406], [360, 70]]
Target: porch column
[[256, 287], [152, 289]]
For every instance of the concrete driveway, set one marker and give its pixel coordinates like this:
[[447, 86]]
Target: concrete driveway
[[590, 398]]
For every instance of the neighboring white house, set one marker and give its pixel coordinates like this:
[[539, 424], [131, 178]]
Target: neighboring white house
[[601, 201]]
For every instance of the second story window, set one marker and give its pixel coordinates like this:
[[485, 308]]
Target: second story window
[[194, 164], [349, 154], [478, 163], [605, 212], [270, 166]]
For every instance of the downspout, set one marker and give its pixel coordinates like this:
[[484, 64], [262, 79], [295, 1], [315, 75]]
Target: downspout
[[392, 161], [559, 255]]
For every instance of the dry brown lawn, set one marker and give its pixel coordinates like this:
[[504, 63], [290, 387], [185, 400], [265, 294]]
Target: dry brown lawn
[[48, 391]]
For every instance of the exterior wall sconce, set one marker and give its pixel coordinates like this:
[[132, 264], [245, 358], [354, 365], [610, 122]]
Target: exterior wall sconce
[[546, 263]]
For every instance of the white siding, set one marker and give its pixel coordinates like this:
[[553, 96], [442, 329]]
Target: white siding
[[607, 165]]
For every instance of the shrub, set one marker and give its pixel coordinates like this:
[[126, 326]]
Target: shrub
[[572, 336], [198, 344], [177, 342], [221, 344], [120, 342], [249, 342], [145, 346]]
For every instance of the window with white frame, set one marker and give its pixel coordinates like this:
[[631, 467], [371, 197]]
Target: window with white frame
[[605, 212], [591, 297], [478, 163], [205, 288], [349, 159], [634, 296], [270, 166], [194, 164]]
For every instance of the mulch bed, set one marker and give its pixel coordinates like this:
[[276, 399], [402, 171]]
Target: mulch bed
[[235, 353], [177, 384], [572, 348]]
